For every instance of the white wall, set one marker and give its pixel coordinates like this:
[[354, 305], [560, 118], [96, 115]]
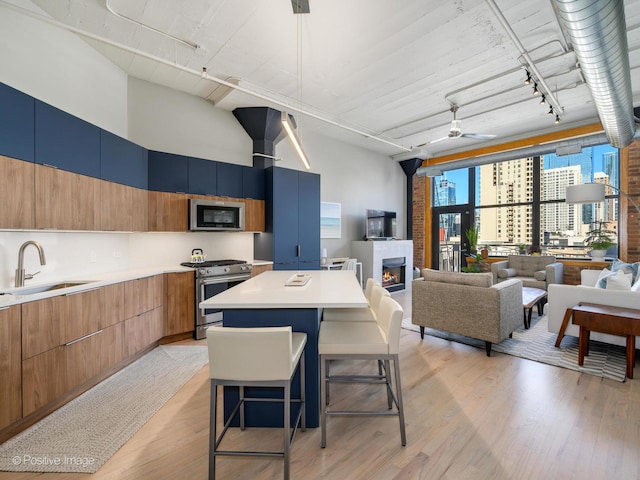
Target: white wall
[[55, 66], [58, 68], [171, 121]]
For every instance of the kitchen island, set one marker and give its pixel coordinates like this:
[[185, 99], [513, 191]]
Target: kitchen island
[[265, 301]]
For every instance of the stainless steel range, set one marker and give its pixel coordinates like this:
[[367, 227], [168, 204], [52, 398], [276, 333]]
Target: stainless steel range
[[213, 277]]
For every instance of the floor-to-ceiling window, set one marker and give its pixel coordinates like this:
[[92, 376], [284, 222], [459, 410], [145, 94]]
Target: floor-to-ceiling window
[[520, 203]]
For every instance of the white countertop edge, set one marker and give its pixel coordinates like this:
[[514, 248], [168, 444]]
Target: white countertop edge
[[93, 281]]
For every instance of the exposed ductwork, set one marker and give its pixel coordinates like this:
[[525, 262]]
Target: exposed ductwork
[[598, 33]]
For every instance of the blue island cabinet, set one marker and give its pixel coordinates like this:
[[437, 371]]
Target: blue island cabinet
[[292, 220]]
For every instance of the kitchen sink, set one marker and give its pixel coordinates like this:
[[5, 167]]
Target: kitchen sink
[[44, 288]]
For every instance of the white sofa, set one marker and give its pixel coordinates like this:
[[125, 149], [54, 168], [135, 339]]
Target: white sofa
[[561, 297]]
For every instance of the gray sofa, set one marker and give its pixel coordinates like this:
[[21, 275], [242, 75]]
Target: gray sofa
[[467, 304], [534, 271]]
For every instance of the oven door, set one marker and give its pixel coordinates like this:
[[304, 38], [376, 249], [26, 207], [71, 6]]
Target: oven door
[[206, 288]]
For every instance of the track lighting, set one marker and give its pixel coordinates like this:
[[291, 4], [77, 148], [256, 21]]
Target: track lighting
[[546, 96]]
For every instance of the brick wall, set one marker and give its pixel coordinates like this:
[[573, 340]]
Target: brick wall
[[419, 219]]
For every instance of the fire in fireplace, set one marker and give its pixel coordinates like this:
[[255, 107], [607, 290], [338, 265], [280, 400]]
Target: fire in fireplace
[[393, 273]]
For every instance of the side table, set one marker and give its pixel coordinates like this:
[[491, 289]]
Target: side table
[[607, 319]]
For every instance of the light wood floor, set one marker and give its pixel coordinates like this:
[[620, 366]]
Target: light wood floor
[[468, 417]]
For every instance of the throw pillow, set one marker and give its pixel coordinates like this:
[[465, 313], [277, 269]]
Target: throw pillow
[[601, 282], [506, 272], [619, 281], [632, 268], [540, 275]]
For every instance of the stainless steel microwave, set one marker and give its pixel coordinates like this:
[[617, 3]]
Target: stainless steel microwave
[[214, 215]]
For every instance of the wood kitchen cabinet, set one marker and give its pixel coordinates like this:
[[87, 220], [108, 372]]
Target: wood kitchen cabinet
[[258, 269], [179, 307], [16, 196], [66, 201], [123, 208], [41, 322], [142, 330], [168, 212], [114, 305], [142, 295], [84, 311], [254, 215], [10, 366], [43, 379]]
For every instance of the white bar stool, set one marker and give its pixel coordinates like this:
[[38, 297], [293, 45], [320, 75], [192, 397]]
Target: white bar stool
[[363, 341], [255, 357], [373, 293]]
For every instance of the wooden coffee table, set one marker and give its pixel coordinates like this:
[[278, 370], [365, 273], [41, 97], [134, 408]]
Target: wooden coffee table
[[607, 319], [531, 297]]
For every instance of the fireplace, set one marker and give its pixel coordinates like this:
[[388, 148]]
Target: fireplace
[[393, 273]]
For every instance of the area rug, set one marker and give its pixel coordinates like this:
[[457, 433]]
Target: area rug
[[538, 344], [83, 434]]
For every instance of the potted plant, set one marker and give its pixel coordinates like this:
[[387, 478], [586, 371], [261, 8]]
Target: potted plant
[[522, 249], [475, 264], [600, 239], [472, 237]]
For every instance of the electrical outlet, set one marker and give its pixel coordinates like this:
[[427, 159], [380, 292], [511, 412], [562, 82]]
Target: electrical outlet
[[93, 258], [117, 254]]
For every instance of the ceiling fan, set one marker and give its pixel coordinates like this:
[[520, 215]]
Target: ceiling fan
[[456, 131]]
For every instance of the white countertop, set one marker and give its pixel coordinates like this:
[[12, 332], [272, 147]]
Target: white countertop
[[330, 289], [93, 281]]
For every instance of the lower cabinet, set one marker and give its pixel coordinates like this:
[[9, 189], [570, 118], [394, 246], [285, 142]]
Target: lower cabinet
[[55, 345], [179, 306], [10, 371], [258, 269], [142, 330]]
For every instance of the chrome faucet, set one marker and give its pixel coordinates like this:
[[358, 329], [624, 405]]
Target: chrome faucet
[[20, 275]]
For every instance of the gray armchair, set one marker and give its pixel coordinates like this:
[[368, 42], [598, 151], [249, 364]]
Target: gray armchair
[[537, 271], [467, 304]]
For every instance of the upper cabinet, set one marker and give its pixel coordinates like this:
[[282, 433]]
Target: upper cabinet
[[66, 142], [229, 180], [168, 172], [253, 183], [122, 161], [203, 176], [17, 117]]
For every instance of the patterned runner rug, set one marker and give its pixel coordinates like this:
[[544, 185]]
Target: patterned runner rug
[[83, 434], [538, 344]]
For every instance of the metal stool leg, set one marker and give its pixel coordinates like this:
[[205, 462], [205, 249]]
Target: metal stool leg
[[323, 400], [403, 434]]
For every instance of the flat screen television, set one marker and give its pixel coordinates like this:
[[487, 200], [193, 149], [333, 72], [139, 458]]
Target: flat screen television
[[381, 224]]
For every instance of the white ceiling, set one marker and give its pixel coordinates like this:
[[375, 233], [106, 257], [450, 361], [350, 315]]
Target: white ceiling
[[384, 67]]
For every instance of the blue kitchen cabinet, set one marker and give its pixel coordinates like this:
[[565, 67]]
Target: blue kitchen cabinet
[[309, 221], [203, 176], [292, 225], [168, 172], [122, 161], [66, 142], [285, 219], [253, 183], [17, 124], [229, 180]]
